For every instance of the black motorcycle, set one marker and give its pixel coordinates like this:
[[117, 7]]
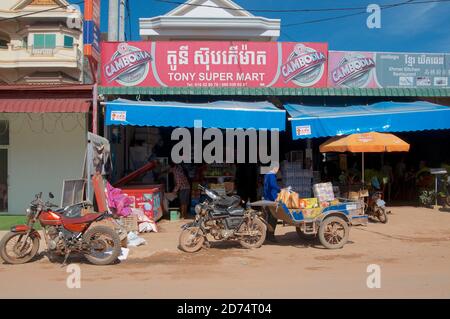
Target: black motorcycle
[[223, 218]]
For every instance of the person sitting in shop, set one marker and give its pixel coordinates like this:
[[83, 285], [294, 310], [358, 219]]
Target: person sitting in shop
[[271, 190], [182, 187]]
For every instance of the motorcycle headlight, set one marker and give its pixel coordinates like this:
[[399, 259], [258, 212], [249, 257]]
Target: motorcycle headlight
[[29, 211], [198, 208]]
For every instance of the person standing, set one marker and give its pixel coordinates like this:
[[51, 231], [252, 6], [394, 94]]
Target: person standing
[[182, 187], [271, 190], [400, 179]]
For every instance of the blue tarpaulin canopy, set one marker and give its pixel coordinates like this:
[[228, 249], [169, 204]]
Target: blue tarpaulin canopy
[[323, 121], [222, 114]]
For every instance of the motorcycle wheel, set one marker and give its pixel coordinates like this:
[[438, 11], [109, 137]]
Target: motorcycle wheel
[[26, 253], [104, 245], [254, 241], [191, 239], [333, 232], [381, 215]]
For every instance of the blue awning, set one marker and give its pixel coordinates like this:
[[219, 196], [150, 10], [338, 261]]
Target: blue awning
[[322, 121], [223, 114]]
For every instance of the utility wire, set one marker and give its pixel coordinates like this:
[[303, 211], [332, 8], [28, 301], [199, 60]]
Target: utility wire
[[41, 11], [299, 10], [357, 13]]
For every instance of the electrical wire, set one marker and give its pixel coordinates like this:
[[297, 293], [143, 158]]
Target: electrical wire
[[350, 14], [59, 122], [296, 10]]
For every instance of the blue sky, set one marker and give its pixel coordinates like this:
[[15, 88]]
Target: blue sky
[[411, 28]]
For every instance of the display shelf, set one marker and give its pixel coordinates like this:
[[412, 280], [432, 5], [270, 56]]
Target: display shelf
[[211, 176]]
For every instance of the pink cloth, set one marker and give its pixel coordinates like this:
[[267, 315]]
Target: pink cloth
[[118, 201]]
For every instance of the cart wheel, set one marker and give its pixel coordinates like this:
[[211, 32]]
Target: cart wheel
[[333, 232], [304, 236]]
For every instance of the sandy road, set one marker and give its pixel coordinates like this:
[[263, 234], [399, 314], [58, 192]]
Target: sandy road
[[413, 251]]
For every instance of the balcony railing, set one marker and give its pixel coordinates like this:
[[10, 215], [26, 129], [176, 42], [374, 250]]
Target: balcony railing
[[17, 53], [38, 51]]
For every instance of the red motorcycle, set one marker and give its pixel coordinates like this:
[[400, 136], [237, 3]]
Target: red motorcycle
[[63, 235]]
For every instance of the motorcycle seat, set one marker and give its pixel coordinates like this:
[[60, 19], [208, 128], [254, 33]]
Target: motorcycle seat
[[236, 211], [80, 220]]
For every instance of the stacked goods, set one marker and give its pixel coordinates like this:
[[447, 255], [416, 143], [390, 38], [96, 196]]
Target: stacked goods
[[292, 200], [219, 170], [288, 197], [308, 203], [296, 177], [324, 192]]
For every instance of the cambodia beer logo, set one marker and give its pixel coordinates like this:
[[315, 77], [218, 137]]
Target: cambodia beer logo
[[304, 66], [353, 70], [128, 66]]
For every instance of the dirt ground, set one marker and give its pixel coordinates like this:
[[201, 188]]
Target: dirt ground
[[412, 250]]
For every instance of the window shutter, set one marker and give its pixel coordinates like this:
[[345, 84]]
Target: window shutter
[[68, 41], [39, 41], [50, 41]]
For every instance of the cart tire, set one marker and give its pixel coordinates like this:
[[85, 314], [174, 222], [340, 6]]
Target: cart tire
[[333, 232], [381, 215], [254, 242], [189, 242], [304, 236]]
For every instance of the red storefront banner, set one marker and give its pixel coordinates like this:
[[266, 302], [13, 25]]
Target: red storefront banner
[[214, 64]]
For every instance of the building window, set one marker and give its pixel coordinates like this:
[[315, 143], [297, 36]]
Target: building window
[[4, 132], [68, 41], [44, 41]]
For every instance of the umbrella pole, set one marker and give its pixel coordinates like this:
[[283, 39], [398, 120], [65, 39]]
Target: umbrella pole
[[362, 169]]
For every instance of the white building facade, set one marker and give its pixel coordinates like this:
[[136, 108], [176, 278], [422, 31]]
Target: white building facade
[[205, 20], [41, 42], [44, 106]]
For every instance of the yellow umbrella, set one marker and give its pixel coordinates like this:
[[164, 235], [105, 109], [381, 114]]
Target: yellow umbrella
[[372, 142]]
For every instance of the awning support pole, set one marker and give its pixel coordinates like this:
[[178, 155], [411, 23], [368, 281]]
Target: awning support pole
[[362, 169]]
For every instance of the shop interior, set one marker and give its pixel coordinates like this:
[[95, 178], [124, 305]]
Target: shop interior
[[301, 163]]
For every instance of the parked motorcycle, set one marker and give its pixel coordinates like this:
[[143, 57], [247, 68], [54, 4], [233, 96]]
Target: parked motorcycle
[[224, 219], [63, 235], [376, 207]]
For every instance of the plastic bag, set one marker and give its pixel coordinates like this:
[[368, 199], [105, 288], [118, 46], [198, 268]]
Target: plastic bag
[[134, 240]]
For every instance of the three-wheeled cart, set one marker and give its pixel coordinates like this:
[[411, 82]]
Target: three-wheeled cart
[[330, 224]]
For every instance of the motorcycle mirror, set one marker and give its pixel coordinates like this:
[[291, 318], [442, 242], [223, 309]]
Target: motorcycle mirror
[[51, 195]]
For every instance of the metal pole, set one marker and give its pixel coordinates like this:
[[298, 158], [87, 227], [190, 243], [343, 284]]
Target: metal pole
[[122, 20], [113, 15], [435, 189], [94, 108]]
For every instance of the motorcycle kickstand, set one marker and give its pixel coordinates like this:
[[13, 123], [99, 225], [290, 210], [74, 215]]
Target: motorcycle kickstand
[[65, 258]]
